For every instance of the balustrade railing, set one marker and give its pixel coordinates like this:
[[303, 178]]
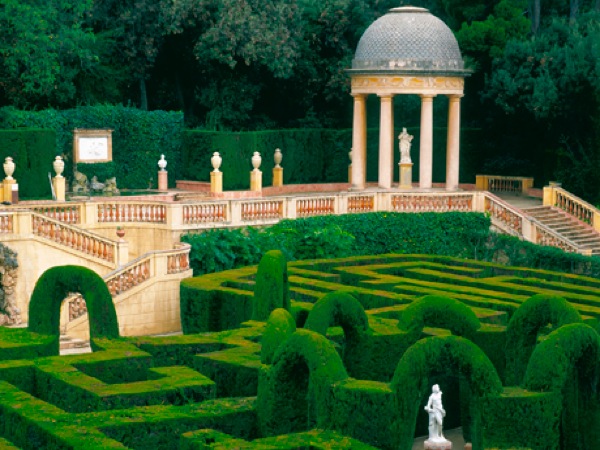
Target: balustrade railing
[[6, 223], [202, 213], [504, 217], [575, 206], [135, 273], [65, 213], [262, 210], [361, 203], [501, 183], [438, 202], [140, 212], [315, 206], [74, 238]]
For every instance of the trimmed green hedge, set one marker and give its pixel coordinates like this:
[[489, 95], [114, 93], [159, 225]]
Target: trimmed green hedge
[[534, 315], [33, 151], [294, 393], [271, 289], [138, 138], [451, 354], [280, 326], [57, 283], [439, 312], [568, 362]]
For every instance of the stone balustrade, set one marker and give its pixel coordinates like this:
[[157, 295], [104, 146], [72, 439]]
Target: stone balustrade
[[505, 217], [154, 264], [138, 212], [554, 195], [500, 183], [74, 238]]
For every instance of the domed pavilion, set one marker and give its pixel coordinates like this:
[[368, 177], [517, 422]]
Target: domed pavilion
[[406, 51]]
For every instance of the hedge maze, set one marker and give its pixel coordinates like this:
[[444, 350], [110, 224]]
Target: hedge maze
[[325, 354]]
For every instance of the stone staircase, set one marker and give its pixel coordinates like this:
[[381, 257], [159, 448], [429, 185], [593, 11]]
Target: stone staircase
[[581, 234], [69, 345]]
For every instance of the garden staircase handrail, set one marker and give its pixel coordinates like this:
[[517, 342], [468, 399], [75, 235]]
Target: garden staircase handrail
[[575, 206]]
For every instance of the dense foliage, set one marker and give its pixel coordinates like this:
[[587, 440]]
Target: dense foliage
[[251, 65]]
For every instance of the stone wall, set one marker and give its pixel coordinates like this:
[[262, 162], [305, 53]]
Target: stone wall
[[10, 314]]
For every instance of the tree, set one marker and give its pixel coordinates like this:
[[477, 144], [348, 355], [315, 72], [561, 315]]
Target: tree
[[45, 51]]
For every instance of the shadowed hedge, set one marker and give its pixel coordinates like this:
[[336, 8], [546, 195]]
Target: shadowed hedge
[[450, 355], [271, 290]]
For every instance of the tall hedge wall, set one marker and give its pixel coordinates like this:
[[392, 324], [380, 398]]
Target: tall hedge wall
[[33, 151], [138, 138], [310, 155]]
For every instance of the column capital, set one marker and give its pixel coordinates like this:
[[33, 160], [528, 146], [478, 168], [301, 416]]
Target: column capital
[[382, 96], [358, 96], [427, 97], [455, 96]]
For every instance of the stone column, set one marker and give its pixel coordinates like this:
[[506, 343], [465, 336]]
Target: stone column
[[386, 142], [426, 151], [359, 142], [453, 143]]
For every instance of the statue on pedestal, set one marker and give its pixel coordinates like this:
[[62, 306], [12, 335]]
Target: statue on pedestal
[[405, 140], [436, 415]]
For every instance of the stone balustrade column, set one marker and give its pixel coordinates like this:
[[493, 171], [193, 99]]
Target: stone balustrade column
[[426, 150], [359, 143], [453, 143], [386, 142]]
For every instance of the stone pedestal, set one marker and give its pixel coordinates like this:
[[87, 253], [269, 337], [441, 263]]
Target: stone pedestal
[[256, 180], [216, 182], [438, 445], [405, 175], [8, 187], [163, 180], [277, 176], [59, 188]]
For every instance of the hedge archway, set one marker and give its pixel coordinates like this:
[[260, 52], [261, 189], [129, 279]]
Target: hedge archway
[[294, 393], [447, 354], [440, 312], [57, 283], [568, 362], [522, 331]]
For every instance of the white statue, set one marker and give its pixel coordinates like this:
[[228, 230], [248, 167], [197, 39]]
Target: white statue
[[436, 415], [405, 140]]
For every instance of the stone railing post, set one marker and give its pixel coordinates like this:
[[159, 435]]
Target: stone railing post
[[122, 252], [549, 198], [216, 176], [174, 216], [277, 170], [528, 229], [256, 174], [527, 184], [235, 212], [481, 182]]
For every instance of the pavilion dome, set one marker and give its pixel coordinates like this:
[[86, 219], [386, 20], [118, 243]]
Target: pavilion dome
[[408, 40]]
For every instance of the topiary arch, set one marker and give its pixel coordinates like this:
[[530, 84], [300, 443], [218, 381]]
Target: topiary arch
[[522, 331], [57, 283], [440, 312], [294, 393], [280, 326], [448, 355], [567, 361]]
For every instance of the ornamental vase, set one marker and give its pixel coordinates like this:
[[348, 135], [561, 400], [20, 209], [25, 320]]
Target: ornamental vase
[[256, 160], [162, 162], [59, 166], [277, 157], [216, 161], [9, 167]]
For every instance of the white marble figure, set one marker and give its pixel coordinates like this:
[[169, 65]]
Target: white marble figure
[[405, 140], [436, 415]]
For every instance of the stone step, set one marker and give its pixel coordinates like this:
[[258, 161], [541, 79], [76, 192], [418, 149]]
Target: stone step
[[67, 342]]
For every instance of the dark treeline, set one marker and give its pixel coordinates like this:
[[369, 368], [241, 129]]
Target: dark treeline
[[262, 64]]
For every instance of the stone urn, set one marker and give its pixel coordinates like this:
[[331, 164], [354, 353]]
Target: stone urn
[[216, 161], [59, 166], [9, 167], [120, 233], [162, 163], [278, 157], [256, 160]]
